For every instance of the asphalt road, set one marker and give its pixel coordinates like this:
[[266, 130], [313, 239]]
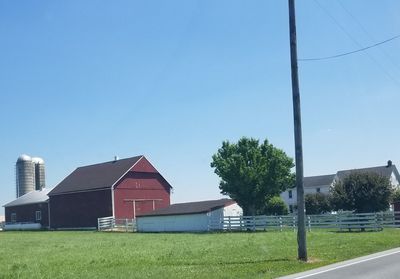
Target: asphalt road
[[384, 265]]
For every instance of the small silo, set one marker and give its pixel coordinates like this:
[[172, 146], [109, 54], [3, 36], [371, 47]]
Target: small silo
[[39, 173], [25, 175]]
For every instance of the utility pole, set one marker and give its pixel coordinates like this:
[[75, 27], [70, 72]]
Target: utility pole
[[301, 216]]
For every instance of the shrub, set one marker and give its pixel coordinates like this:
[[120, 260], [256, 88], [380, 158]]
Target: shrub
[[395, 196], [362, 192], [317, 203], [275, 206]]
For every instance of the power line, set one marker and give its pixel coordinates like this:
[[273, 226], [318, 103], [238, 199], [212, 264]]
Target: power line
[[357, 43], [338, 23], [350, 52], [388, 56]]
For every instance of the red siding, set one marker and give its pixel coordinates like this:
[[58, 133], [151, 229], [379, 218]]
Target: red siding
[[140, 185], [144, 166], [79, 210], [27, 213]]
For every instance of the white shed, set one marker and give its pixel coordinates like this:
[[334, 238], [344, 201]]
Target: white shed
[[187, 217]]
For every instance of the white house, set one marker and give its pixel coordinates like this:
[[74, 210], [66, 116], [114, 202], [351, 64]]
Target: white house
[[312, 185], [323, 183], [187, 217]]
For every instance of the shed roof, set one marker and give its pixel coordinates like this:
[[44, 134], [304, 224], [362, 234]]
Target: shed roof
[[190, 208], [95, 177], [39, 196]]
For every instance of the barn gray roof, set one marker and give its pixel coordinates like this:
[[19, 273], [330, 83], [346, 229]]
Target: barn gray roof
[[320, 180], [190, 208], [95, 177], [30, 198], [385, 171]]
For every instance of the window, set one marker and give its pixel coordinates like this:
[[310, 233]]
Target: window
[[290, 194], [318, 190], [13, 217], [291, 208], [38, 215]]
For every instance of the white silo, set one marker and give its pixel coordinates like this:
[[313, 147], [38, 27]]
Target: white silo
[[30, 174], [39, 173], [25, 175]]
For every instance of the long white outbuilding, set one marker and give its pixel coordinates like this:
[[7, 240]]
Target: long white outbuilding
[[187, 217]]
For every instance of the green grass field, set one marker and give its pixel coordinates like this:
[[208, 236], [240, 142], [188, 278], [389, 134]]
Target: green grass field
[[217, 255]]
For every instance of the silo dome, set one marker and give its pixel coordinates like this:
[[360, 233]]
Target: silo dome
[[24, 157], [37, 160]]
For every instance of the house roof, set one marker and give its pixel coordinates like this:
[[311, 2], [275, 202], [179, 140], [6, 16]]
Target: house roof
[[385, 171], [31, 198], [320, 180], [95, 177], [190, 208]]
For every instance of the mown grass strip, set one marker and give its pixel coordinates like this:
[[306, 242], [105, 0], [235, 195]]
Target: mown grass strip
[[216, 255]]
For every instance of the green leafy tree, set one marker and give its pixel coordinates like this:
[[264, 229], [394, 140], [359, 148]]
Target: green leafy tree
[[251, 172], [362, 192], [275, 206], [395, 196], [317, 203]]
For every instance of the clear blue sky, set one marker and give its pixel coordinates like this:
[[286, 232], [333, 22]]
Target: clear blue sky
[[82, 81]]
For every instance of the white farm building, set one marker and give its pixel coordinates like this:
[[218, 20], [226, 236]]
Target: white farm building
[[187, 217]]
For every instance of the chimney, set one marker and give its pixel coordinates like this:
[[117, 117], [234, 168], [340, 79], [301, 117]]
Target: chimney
[[116, 158], [389, 163]]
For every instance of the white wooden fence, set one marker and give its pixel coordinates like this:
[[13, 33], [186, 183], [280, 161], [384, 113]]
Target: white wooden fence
[[112, 224], [342, 221], [262, 222]]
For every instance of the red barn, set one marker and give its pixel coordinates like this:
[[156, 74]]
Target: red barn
[[121, 188]]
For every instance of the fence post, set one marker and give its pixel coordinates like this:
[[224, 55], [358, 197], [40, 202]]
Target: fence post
[[294, 223], [98, 224], [254, 223], [229, 224], [309, 223], [265, 223], [280, 223]]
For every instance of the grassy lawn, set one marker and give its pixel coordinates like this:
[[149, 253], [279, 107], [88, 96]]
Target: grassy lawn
[[218, 255]]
